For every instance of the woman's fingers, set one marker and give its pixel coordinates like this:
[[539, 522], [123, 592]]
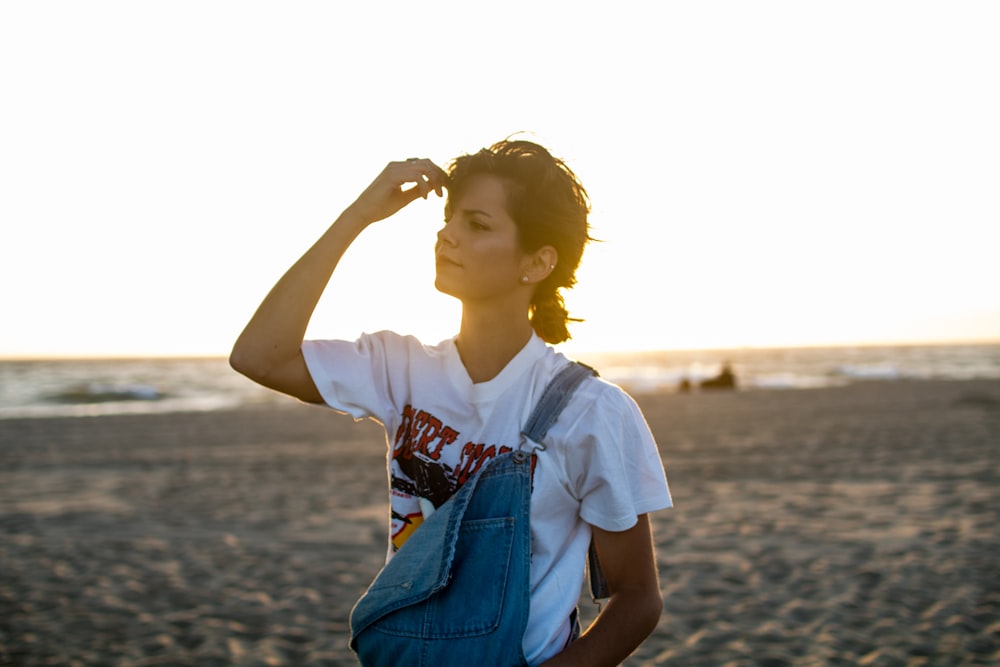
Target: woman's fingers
[[427, 175], [388, 193]]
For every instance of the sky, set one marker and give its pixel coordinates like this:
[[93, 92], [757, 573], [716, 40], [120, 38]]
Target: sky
[[761, 173]]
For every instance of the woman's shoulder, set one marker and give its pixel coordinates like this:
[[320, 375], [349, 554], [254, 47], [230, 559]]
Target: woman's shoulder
[[601, 428], [385, 349], [406, 343], [597, 400]]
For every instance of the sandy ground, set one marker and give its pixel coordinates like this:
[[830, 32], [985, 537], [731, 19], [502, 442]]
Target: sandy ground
[[847, 526]]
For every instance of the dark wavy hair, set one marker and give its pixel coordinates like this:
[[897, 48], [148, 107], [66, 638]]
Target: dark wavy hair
[[550, 207]]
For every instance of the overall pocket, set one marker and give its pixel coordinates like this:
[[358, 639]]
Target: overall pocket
[[472, 602]]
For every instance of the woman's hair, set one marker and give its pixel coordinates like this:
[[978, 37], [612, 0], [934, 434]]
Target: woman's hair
[[549, 205]]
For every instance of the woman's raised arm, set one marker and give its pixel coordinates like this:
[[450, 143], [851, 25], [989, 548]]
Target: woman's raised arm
[[269, 351]]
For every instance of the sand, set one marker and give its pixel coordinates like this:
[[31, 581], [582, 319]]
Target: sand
[[839, 526]]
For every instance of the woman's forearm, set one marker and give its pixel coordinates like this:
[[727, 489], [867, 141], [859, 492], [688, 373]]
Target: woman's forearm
[[269, 350], [273, 336], [627, 619]]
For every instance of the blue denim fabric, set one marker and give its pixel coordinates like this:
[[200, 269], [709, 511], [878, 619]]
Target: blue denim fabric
[[449, 601], [457, 592]]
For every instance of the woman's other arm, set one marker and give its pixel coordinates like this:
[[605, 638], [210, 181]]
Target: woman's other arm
[[269, 351], [635, 605]]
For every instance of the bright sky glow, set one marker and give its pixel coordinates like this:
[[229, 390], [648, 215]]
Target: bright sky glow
[[766, 173]]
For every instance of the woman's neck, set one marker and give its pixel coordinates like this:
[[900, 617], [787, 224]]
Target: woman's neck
[[487, 342]]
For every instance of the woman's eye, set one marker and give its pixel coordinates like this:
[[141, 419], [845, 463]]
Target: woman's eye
[[477, 225]]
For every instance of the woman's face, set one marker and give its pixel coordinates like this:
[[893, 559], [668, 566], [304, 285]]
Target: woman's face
[[479, 256]]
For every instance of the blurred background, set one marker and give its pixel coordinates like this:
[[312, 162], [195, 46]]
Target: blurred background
[[805, 192], [762, 174]]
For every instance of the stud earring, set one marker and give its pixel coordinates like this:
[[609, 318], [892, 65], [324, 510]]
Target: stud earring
[[524, 279]]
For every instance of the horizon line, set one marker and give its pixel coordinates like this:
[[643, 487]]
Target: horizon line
[[678, 348]]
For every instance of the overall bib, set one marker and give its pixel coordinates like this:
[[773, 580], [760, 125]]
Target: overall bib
[[457, 592]]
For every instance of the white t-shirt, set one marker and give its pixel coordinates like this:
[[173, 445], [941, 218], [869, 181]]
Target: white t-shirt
[[601, 466]]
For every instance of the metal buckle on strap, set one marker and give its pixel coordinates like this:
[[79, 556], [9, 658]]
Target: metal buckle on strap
[[528, 446]]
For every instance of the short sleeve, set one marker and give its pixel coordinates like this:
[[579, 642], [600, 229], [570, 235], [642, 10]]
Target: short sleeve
[[616, 471], [351, 376]]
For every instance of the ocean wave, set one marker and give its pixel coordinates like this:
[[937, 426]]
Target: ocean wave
[[93, 392], [128, 407], [869, 372], [793, 381]]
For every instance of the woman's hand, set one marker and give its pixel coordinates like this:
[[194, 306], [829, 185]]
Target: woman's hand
[[269, 351], [388, 193], [635, 605]]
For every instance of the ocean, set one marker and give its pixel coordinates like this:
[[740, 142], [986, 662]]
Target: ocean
[[61, 388]]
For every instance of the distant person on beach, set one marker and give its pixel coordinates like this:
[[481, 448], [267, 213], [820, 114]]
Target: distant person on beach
[[726, 379], [454, 414]]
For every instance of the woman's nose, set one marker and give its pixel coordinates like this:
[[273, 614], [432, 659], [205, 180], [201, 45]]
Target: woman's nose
[[444, 235]]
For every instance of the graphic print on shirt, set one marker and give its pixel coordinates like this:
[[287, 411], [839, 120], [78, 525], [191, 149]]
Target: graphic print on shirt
[[422, 450]]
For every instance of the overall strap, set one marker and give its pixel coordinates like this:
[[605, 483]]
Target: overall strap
[[553, 400]]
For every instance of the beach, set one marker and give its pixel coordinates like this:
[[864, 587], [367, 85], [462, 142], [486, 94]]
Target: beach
[[849, 525]]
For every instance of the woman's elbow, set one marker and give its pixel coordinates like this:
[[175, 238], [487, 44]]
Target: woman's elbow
[[238, 360], [651, 610], [644, 608], [287, 376], [248, 364]]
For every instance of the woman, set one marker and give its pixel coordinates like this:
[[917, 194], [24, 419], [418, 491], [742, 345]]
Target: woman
[[514, 233]]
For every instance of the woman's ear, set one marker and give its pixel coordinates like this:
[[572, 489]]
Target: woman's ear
[[540, 264]]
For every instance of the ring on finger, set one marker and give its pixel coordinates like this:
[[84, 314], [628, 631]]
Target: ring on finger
[[413, 159]]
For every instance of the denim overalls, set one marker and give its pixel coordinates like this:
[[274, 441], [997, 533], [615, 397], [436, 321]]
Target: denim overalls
[[457, 592]]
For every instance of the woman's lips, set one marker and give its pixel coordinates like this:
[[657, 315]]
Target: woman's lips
[[441, 259]]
